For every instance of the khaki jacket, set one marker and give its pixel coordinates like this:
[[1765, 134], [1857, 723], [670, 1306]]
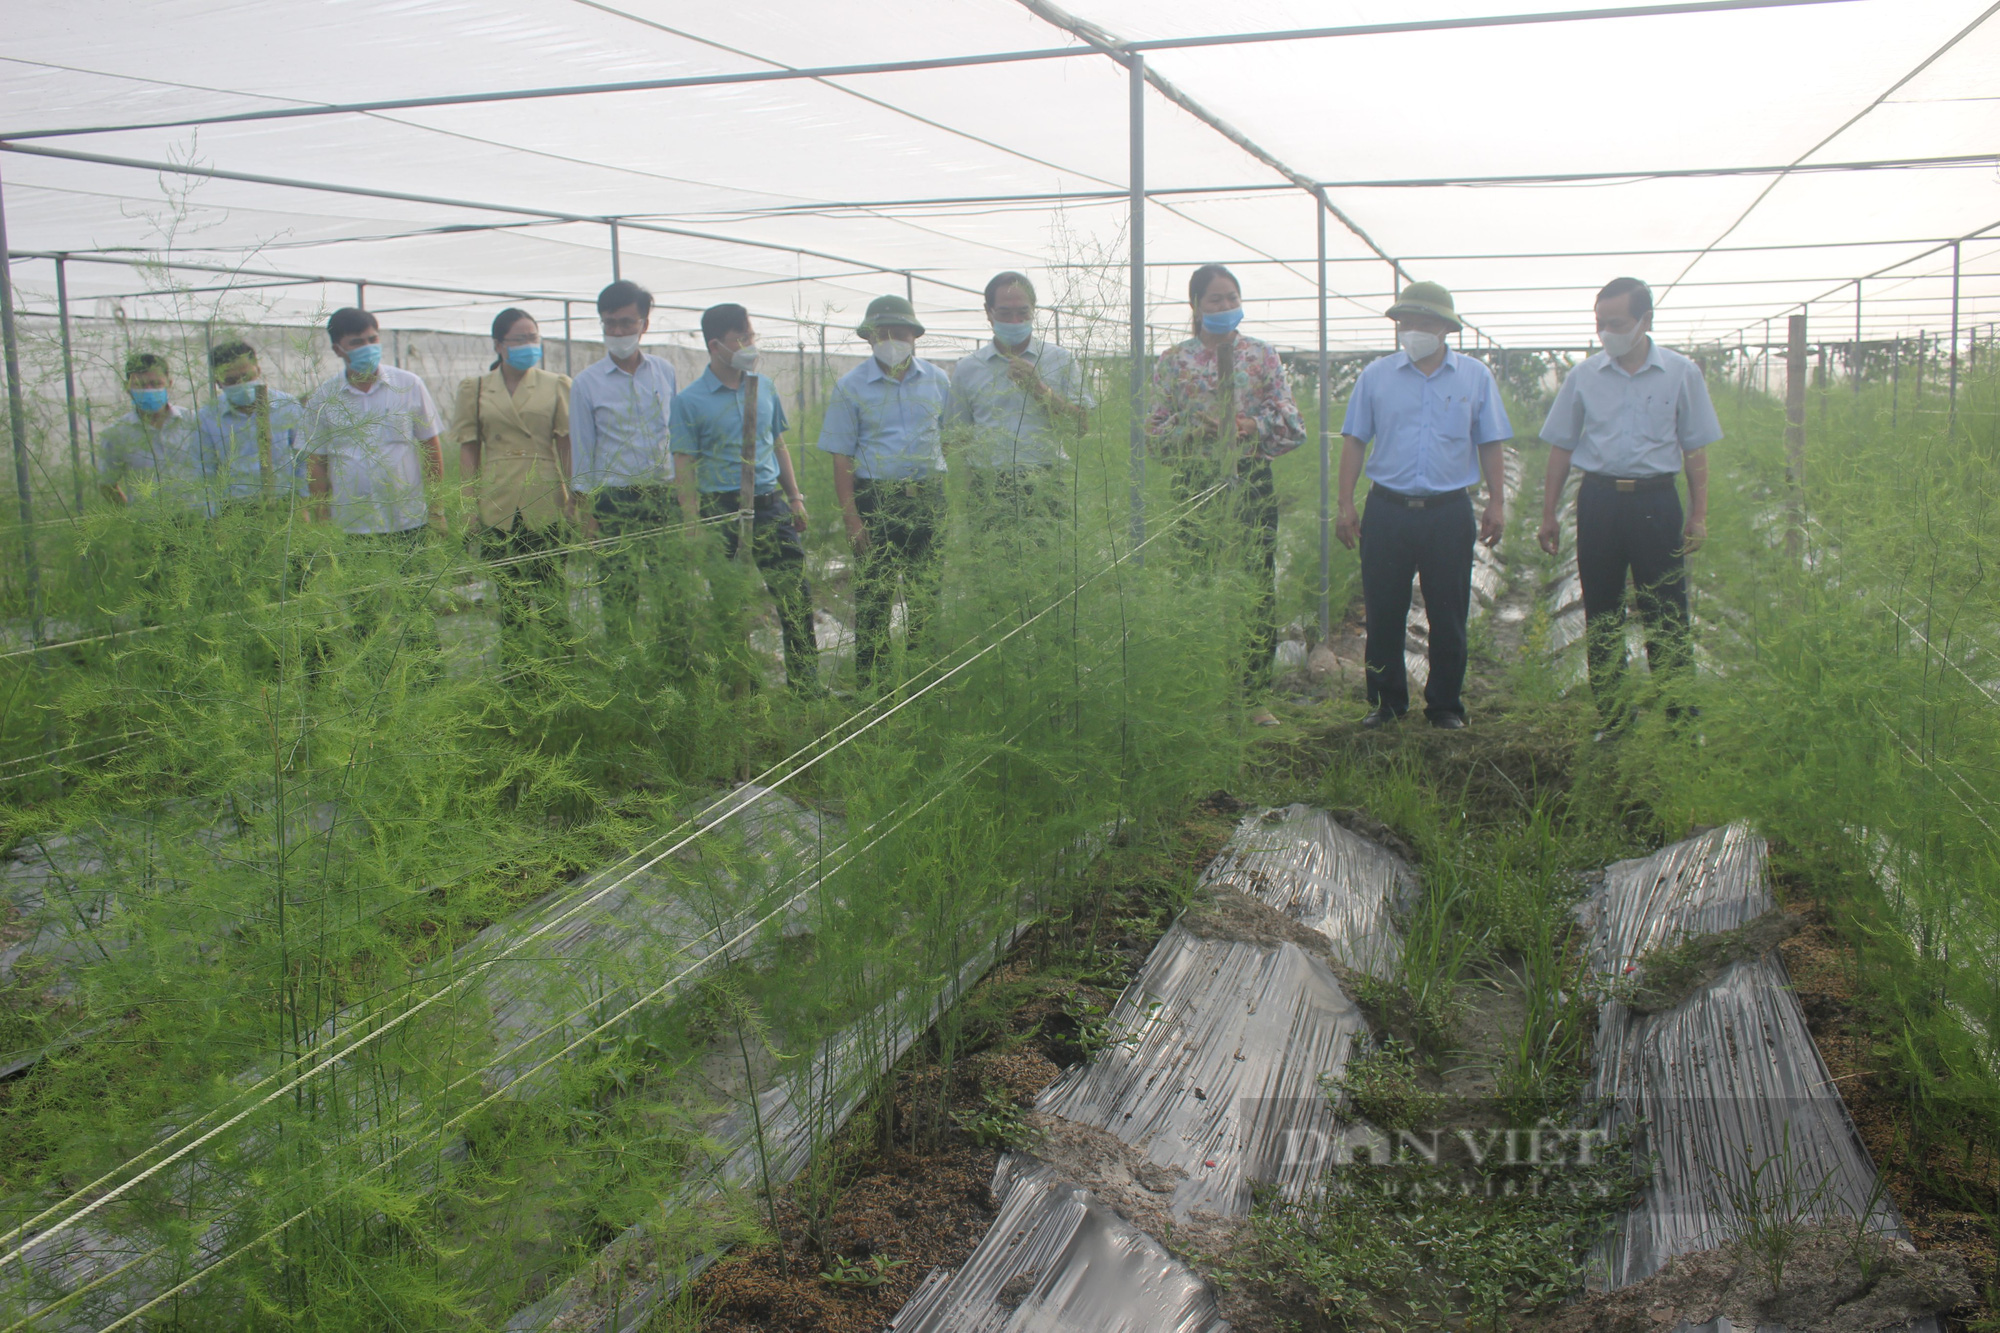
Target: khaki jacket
[[518, 469]]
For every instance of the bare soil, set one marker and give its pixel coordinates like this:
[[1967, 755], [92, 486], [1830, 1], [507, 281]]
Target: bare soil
[[1927, 1184], [917, 1189]]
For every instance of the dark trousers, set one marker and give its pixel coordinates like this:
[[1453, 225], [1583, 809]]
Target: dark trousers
[[1240, 525], [1637, 531], [532, 594], [906, 525], [640, 556], [1434, 546], [1027, 502], [780, 554]]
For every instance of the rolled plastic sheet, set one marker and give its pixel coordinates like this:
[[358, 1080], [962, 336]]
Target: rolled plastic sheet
[[1066, 1264], [1329, 879], [1724, 1093], [1212, 1079]]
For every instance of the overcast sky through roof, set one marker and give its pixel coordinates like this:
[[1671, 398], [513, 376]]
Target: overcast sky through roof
[[784, 163]]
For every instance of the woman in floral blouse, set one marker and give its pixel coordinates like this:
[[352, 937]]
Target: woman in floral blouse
[[1220, 376]]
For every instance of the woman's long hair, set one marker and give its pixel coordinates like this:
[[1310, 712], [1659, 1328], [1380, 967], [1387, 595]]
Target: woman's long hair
[[503, 324], [1198, 287]]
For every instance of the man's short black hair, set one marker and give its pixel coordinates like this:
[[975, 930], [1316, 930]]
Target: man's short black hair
[[1641, 304], [348, 321], [1009, 279], [719, 321], [230, 352], [622, 293], [138, 363]]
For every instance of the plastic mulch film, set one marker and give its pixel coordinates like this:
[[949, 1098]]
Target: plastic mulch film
[[1328, 879], [1724, 1092], [1068, 1264], [1214, 1081]]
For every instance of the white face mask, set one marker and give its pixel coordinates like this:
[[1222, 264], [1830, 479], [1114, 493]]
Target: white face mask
[[1418, 345], [1620, 344], [744, 359], [622, 347], [893, 352]]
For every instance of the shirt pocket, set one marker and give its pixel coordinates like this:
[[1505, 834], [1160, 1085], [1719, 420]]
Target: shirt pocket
[[1655, 418]]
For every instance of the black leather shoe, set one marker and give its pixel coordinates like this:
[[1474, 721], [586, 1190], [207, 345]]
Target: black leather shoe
[[1448, 722], [1382, 716]]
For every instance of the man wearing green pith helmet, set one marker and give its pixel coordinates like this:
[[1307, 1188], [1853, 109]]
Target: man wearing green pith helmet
[[1429, 424], [885, 430]]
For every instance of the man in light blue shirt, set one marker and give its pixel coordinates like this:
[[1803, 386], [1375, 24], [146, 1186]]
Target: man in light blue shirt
[[250, 434], [1436, 423], [884, 428], [151, 457], [1012, 397], [149, 463], [707, 427], [1631, 417], [623, 470]]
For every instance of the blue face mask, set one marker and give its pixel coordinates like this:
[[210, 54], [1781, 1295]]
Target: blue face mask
[[242, 395], [1223, 322], [525, 358], [365, 360], [1013, 334], [149, 400]]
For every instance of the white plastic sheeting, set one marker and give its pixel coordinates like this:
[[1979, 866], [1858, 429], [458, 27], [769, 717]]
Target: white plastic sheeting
[[784, 164], [1726, 1090], [1214, 1083]]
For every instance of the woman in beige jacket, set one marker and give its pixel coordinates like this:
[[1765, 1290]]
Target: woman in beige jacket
[[512, 429]]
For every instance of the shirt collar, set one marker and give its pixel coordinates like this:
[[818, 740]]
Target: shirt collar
[[713, 383], [876, 372], [990, 350], [1449, 363], [1654, 361]]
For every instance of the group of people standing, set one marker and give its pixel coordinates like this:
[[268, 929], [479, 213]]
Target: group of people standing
[[623, 452]]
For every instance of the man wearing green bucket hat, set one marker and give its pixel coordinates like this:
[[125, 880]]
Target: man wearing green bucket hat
[[884, 428], [1436, 424]]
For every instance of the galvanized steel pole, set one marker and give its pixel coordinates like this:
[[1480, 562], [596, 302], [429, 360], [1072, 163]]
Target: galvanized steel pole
[[1325, 444], [1136, 133], [569, 362], [69, 382], [17, 426], [1795, 434], [1951, 416], [614, 249]]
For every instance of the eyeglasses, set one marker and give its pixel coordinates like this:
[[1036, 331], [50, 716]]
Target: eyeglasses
[[1013, 314]]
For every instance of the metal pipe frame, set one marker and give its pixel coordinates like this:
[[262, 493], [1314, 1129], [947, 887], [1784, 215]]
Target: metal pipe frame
[[438, 201], [17, 427], [1136, 231], [69, 376], [937, 63], [1325, 446]]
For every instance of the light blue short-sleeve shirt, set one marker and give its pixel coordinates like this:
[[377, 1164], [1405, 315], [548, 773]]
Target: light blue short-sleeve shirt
[[707, 425], [618, 424], [1621, 423], [230, 454], [369, 439], [1425, 430], [158, 467], [1008, 429], [892, 429]]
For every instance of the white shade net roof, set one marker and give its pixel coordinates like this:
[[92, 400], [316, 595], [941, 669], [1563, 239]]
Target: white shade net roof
[[807, 197]]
